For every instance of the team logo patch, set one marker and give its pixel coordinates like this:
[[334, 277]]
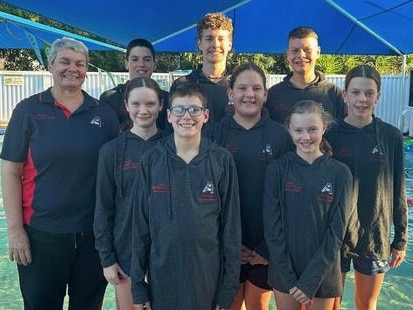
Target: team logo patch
[[266, 152], [209, 188], [326, 193], [96, 121], [207, 194], [376, 154], [327, 189]]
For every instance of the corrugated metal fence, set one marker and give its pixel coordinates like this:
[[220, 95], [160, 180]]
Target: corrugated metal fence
[[16, 85]]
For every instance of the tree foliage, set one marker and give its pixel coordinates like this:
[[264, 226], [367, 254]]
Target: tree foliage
[[19, 60]]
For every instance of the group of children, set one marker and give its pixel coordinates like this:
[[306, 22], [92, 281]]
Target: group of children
[[294, 194], [277, 195]]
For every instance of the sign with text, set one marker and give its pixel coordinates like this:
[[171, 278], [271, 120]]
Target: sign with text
[[13, 80]]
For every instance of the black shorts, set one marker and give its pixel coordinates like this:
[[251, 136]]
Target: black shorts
[[126, 269], [365, 265], [256, 274]]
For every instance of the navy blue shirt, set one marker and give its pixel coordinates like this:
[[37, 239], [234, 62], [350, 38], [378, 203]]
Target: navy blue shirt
[[59, 150]]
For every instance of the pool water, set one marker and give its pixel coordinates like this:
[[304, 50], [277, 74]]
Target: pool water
[[396, 293]]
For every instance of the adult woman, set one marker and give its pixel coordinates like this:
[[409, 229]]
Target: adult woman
[[373, 150], [117, 168], [307, 204], [49, 154], [186, 226], [254, 140]]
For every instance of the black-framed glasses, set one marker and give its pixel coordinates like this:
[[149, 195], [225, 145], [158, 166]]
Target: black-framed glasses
[[180, 111]]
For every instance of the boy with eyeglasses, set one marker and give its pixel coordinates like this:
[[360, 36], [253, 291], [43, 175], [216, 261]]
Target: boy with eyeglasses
[[186, 222]]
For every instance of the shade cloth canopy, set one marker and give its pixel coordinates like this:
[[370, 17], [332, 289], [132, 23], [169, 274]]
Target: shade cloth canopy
[[376, 27], [116, 21], [20, 33]]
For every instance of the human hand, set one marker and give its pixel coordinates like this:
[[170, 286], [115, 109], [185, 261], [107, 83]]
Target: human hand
[[257, 259], [19, 246], [251, 257], [301, 297], [397, 258], [114, 274], [246, 254], [144, 306]]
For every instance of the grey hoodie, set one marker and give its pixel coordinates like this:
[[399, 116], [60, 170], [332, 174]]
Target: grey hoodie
[[306, 210], [186, 229], [117, 168], [374, 154]]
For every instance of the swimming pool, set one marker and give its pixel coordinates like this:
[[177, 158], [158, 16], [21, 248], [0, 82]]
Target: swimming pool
[[396, 292]]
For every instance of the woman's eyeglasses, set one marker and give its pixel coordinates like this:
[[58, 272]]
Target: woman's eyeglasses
[[180, 111]]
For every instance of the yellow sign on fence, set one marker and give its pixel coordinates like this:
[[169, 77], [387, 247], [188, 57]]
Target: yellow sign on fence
[[13, 80]]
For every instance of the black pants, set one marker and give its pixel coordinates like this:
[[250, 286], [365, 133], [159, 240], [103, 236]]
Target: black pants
[[62, 261]]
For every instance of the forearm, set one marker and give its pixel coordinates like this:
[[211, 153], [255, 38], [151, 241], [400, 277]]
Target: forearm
[[12, 193], [19, 245]]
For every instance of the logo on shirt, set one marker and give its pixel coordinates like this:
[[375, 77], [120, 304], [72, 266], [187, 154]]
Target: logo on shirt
[[282, 106], [231, 148], [159, 188], [376, 154], [209, 188], [43, 116], [266, 153], [290, 186], [96, 121], [326, 193], [344, 152], [207, 194], [327, 189], [130, 164]]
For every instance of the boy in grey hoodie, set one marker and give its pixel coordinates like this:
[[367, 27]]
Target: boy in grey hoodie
[[186, 221]]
